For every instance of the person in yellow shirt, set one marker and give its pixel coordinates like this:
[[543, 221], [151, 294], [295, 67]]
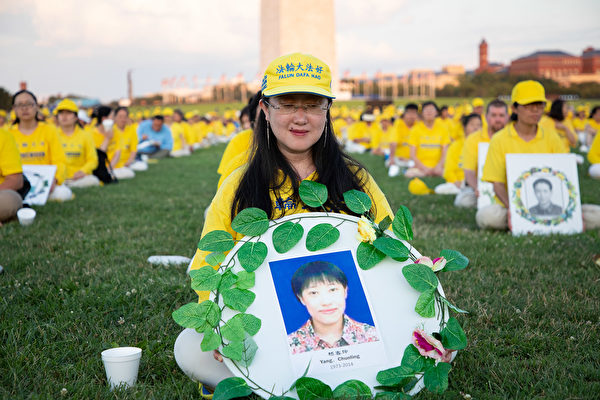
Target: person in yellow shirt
[[399, 148], [238, 149], [579, 120], [361, 133], [594, 158], [11, 177], [428, 143], [478, 104], [3, 120], [78, 144], [592, 126], [125, 134], [383, 134], [564, 128], [523, 135], [453, 171], [173, 122], [38, 143], [294, 141], [497, 117]]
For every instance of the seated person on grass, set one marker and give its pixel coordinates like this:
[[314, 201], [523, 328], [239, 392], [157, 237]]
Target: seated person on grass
[[78, 145], [11, 177], [155, 140], [428, 143], [497, 117], [399, 148], [126, 133], [453, 172], [38, 143], [594, 158], [323, 288], [523, 135]]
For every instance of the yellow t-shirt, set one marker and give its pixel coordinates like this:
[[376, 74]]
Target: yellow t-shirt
[[579, 124], [200, 130], [593, 124], [178, 133], [429, 142], [507, 141], [338, 125], [42, 147], [10, 159], [453, 171], [216, 127], [128, 139], [219, 214], [379, 138], [240, 143], [470, 154], [402, 132], [360, 130], [113, 146], [80, 151], [594, 153]]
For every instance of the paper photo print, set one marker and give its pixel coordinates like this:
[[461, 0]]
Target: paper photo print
[[41, 178], [325, 311], [544, 193]]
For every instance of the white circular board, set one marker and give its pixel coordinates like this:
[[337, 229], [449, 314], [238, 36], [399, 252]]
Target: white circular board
[[391, 300]]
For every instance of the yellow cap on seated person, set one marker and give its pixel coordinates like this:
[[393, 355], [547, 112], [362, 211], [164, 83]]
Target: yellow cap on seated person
[[418, 187], [297, 73], [527, 92], [477, 102], [66, 105], [2, 113], [147, 114], [167, 112], [580, 109]]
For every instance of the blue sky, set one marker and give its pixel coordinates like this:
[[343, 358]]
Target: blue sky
[[85, 47]]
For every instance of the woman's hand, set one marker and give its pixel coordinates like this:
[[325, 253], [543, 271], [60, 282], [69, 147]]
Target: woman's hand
[[217, 356]]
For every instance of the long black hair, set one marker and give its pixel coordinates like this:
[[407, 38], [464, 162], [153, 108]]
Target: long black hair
[[335, 169], [556, 110]]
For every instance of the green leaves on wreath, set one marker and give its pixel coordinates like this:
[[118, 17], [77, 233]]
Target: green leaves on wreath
[[215, 258], [455, 261], [395, 377], [321, 236], [313, 194], [232, 388], [239, 326], [238, 299], [453, 336], [392, 248], [251, 222], [201, 317], [251, 255], [248, 352], [357, 201], [352, 389], [205, 278], [436, 378], [368, 256], [216, 241], [286, 235], [210, 341], [311, 388], [423, 279], [402, 225]]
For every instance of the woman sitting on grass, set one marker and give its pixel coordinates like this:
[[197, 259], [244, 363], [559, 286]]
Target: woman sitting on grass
[[293, 140]]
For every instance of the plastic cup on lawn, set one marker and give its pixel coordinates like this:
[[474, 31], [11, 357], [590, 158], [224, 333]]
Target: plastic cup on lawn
[[26, 216], [121, 365]]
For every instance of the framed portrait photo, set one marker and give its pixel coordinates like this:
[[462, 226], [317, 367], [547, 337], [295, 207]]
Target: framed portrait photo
[[543, 191]]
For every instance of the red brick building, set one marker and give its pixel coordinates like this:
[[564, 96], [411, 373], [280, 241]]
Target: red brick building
[[591, 61], [549, 64], [484, 64]]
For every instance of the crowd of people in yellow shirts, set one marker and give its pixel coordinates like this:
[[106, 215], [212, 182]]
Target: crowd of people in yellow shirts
[[93, 147], [104, 145]]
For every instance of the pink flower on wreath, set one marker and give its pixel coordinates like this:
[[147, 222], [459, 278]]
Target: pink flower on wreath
[[436, 264], [428, 346]]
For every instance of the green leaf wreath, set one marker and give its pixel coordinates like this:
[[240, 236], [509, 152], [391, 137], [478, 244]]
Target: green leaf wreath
[[426, 359]]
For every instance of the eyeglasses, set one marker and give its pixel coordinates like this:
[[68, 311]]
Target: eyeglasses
[[534, 106], [24, 105], [288, 108]]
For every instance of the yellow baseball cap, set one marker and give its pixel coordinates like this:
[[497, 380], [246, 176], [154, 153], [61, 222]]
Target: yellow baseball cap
[[157, 112], [417, 187], [45, 112], [147, 114], [477, 102], [66, 105], [297, 73], [527, 92], [580, 109], [2, 113], [167, 112]]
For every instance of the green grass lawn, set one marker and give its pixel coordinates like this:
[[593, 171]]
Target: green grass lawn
[[77, 282]]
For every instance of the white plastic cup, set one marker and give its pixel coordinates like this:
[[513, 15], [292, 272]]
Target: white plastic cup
[[26, 216], [121, 365]]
